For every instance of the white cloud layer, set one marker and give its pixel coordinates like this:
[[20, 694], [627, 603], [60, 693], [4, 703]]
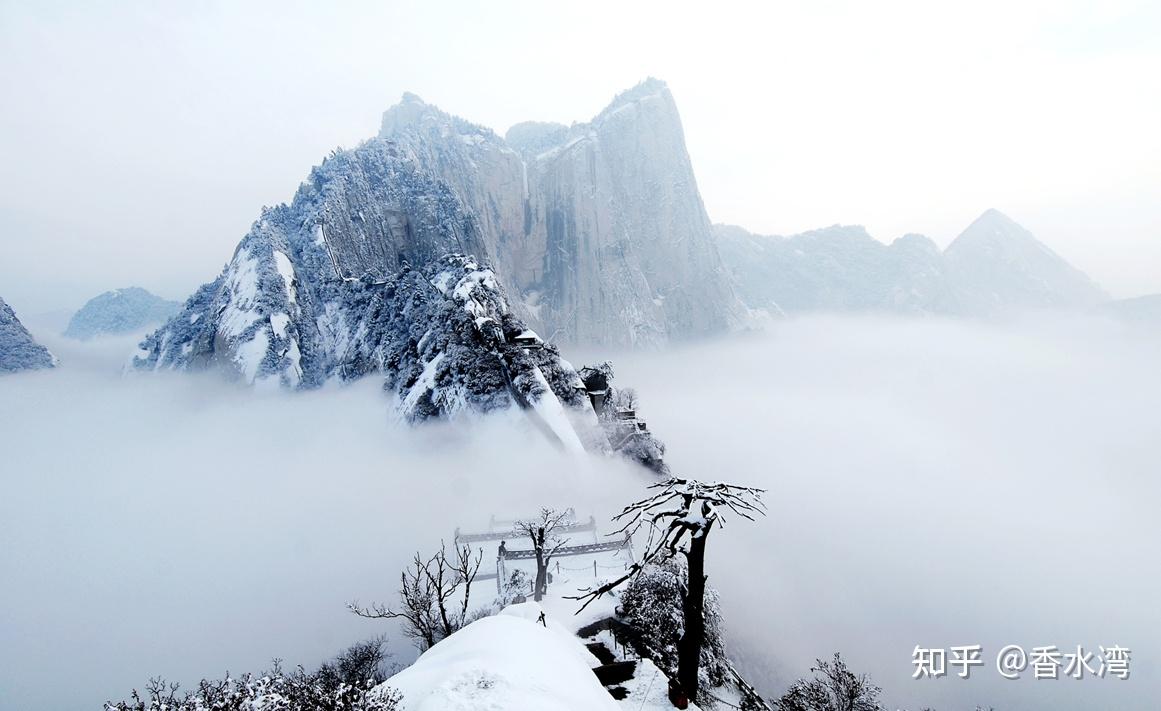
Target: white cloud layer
[[930, 482]]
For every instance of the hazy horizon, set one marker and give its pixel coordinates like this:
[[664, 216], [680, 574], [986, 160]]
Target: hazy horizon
[[142, 140]]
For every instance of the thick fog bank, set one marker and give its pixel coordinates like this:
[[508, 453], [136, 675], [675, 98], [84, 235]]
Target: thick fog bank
[[179, 526], [930, 483]]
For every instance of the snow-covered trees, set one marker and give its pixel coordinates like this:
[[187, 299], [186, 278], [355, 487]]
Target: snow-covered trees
[[433, 595], [515, 588], [678, 519], [652, 604], [544, 531], [346, 683], [833, 688]]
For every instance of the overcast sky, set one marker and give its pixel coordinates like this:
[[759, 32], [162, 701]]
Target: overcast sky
[[140, 140]]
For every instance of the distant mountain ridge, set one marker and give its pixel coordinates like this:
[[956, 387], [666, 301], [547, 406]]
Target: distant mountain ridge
[[120, 311], [995, 265], [18, 349]]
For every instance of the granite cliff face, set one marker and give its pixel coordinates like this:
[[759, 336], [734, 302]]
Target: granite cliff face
[[597, 228], [993, 266], [18, 349]]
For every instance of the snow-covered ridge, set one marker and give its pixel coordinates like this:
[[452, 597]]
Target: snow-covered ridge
[[993, 266]]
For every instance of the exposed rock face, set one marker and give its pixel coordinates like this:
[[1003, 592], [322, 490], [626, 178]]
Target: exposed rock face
[[994, 265], [120, 311], [598, 228], [18, 350]]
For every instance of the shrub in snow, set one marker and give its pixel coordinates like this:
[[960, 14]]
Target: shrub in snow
[[516, 588], [347, 683], [833, 688], [651, 603]]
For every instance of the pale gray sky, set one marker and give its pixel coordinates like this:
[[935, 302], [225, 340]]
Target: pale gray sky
[[140, 139]]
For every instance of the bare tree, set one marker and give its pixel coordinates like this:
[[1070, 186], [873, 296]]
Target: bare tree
[[545, 533], [678, 519], [427, 595], [626, 399]]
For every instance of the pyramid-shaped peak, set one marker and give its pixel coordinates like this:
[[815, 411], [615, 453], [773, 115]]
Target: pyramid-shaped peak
[[993, 227], [994, 217]]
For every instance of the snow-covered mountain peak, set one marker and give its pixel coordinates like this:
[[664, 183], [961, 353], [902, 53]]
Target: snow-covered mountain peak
[[649, 88], [414, 114], [120, 311], [997, 264]]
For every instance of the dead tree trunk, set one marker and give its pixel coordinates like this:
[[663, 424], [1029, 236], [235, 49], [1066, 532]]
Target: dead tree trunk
[[693, 610], [687, 526], [541, 566]]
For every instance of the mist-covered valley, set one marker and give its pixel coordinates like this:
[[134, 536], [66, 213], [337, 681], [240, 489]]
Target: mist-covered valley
[[298, 367], [931, 482]]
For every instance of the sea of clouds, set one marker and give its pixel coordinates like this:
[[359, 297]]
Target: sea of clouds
[[930, 482]]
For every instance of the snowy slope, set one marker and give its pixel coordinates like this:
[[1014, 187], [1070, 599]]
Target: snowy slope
[[18, 350], [510, 662], [504, 663]]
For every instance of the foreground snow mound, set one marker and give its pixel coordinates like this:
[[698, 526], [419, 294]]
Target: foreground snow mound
[[120, 311], [18, 350], [504, 663]]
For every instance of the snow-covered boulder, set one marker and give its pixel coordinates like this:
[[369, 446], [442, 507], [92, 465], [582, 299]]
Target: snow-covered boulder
[[18, 349], [120, 311]]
